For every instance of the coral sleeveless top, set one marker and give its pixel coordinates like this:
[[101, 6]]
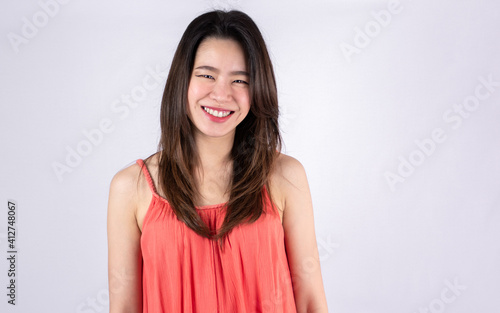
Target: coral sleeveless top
[[184, 272]]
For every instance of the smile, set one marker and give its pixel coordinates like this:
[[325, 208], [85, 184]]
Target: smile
[[217, 113]]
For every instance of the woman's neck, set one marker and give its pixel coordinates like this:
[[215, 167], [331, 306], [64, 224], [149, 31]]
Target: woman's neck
[[214, 152], [213, 174]]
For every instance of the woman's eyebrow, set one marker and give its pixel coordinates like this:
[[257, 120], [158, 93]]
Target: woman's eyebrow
[[215, 70]]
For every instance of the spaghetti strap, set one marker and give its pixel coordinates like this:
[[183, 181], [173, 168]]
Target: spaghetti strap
[[146, 173]]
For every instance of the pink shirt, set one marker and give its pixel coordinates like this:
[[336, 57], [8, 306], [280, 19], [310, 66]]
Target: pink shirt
[[184, 272]]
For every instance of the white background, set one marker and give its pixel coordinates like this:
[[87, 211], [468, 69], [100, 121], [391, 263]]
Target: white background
[[352, 119]]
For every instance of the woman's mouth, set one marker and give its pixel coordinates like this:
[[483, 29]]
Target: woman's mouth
[[217, 113]]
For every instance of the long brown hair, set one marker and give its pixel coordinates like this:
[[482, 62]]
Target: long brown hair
[[257, 138]]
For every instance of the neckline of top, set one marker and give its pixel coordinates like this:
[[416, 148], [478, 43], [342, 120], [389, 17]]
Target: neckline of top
[[202, 207]]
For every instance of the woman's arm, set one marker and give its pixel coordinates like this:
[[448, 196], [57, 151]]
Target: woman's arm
[[124, 251], [300, 238]]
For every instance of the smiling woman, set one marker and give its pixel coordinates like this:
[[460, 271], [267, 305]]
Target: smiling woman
[[218, 90], [218, 220]]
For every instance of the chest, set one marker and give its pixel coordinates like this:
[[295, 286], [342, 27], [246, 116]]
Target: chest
[[213, 190]]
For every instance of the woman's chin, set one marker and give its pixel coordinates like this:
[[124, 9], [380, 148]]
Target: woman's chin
[[215, 133]]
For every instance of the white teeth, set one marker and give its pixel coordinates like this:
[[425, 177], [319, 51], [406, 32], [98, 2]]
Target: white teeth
[[217, 113]]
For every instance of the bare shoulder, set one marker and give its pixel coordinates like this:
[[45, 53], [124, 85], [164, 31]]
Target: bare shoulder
[[124, 184], [130, 193], [288, 177], [288, 172], [132, 177]]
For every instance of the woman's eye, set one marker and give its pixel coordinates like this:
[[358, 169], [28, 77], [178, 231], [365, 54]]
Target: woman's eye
[[205, 76], [239, 81]]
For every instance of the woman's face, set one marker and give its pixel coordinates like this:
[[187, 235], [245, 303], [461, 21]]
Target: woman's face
[[218, 94]]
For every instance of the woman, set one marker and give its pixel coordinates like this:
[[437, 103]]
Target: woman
[[218, 220]]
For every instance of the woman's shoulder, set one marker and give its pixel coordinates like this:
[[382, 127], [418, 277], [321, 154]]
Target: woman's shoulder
[[123, 194], [287, 169], [126, 178], [288, 165], [130, 181], [287, 175]]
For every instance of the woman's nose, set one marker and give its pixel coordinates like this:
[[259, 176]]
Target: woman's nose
[[221, 91]]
